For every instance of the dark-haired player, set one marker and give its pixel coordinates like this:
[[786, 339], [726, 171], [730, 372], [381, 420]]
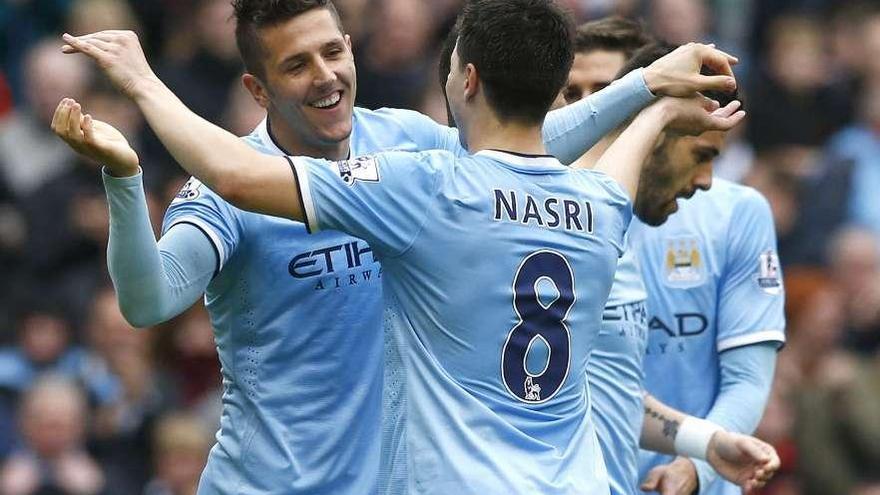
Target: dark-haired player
[[678, 168], [483, 256]]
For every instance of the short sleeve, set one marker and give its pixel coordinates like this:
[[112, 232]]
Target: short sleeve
[[200, 207], [751, 297], [384, 199], [426, 133]]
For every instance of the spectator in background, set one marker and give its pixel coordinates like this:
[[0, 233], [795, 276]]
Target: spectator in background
[[52, 458], [860, 144], [679, 21], [181, 443], [855, 266], [90, 16], [394, 62], [792, 101], [121, 430], [202, 77], [30, 154], [44, 346]]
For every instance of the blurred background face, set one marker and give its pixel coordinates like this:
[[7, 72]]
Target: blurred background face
[[590, 72], [677, 169], [53, 419], [310, 76]]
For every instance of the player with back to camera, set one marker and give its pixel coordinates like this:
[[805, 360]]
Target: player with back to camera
[[615, 374], [430, 266]]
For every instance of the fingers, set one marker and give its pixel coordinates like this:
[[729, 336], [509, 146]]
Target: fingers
[[652, 481], [74, 123], [57, 117], [88, 129], [753, 450], [728, 109], [717, 60], [725, 83], [725, 123], [63, 115]]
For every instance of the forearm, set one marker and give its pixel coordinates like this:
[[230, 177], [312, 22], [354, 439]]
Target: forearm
[[623, 160], [241, 175], [660, 426], [153, 283], [570, 131], [746, 378]]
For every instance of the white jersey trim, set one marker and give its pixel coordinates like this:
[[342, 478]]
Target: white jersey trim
[[305, 192], [209, 231], [521, 160], [751, 338]]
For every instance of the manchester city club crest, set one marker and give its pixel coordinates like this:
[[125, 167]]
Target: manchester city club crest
[[769, 278], [685, 265]]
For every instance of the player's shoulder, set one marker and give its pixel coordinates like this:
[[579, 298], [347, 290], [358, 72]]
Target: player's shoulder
[[603, 181], [392, 116]]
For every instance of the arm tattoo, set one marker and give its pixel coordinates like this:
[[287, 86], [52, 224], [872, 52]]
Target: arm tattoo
[[670, 426]]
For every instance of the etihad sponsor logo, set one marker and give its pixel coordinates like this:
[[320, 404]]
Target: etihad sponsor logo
[[338, 266]]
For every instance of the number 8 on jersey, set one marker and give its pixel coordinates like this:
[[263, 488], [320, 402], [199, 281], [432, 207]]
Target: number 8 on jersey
[[539, 321]]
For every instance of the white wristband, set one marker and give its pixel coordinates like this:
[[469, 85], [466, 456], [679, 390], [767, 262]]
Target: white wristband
[[693, 437]]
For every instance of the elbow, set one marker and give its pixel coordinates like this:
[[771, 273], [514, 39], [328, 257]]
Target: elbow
[[233, 188], [139, 319]]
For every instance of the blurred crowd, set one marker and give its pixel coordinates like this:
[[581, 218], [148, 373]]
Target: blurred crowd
[[89, 405]]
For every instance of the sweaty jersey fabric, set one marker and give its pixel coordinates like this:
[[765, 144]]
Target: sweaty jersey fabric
[[496, 268], [616, 376], [715, 284]]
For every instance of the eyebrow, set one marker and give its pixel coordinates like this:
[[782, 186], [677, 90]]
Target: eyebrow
[[296, 57]]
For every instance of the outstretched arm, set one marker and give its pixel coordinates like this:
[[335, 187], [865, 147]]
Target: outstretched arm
[[154, 281], [244, 177]]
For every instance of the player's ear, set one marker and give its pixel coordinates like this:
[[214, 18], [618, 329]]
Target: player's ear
[[256, 89], [471, 81]]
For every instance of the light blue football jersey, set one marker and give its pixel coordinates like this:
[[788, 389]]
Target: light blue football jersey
[[714, 283], [297, 323], [496, 268], [616, 376]]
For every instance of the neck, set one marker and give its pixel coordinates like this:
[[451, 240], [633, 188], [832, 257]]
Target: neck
[[292, 143], [490, 133], [591, 157]]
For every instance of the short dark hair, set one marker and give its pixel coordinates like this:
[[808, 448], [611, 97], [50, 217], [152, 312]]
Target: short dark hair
[[613, 34], [649, 54], [253, 15], [444, 66], [522, 50]]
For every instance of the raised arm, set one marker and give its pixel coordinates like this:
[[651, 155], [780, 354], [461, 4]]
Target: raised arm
[[154, 281], [572, 130], [244, 177], [695, 115]]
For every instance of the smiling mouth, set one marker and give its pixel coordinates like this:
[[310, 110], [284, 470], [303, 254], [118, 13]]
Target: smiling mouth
[[328, 102]]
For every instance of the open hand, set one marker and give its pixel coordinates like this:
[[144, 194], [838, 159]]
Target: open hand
[[97, 140], [742, 459], [697, 114], [118, 54], [678, 73]]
